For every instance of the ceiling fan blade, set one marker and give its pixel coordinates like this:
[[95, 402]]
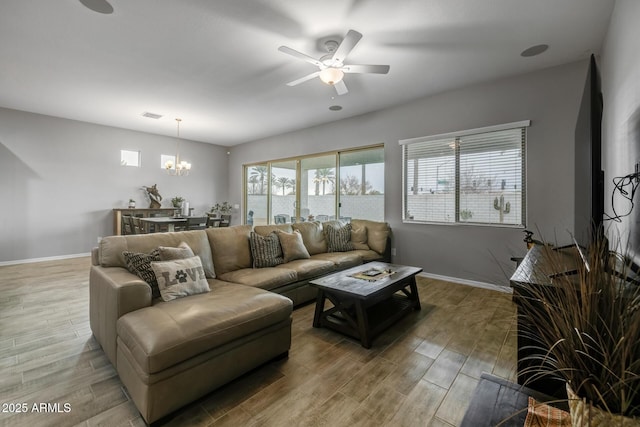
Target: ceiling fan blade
[[375, 69], [299, 55], [348, 43], [304, 79], [341, 88]]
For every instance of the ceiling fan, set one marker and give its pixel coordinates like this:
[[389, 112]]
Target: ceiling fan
[[331, 66]]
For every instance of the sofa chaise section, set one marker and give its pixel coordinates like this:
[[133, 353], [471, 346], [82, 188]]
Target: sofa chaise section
[[173, 352], [169, 353]]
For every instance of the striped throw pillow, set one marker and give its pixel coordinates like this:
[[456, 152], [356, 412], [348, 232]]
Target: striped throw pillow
[[265, 250], [338, 238]]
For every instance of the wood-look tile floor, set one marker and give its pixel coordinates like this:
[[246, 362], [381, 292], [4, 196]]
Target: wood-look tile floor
[[421, 371]]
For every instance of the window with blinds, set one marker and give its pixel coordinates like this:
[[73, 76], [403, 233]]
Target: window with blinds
[[476, 176]]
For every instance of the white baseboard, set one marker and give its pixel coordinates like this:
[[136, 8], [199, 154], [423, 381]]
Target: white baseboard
[[505, 289], [51, 258]]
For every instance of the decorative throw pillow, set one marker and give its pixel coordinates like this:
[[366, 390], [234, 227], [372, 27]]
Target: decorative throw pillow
[[292, 246], [180, 278], [265, 250], [140, 265], [338, 238], [181, 252]]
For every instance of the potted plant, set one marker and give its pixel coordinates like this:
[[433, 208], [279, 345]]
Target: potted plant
[[223, 208], [587, 326], [176, 202], [132, 204]]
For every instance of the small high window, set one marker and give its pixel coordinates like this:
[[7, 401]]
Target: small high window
[[130, 158]]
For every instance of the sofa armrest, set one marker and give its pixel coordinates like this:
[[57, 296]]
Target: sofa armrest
[[95, 254], [386, 256], [113, 292]]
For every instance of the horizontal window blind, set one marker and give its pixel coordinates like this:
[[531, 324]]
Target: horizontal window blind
[[467, 177]]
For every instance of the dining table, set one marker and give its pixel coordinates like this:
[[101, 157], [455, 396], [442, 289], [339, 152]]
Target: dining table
[[169, 221]]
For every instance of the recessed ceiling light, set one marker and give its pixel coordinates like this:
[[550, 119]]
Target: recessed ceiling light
[[100, 6], [335, 108], [534, 50]]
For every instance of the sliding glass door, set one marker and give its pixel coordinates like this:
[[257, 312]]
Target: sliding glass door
[[339, 185], [362, 184], [318, 188], [256, 194], [283, 191]]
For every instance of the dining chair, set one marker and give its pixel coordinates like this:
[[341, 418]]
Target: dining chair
[[196, 223], [226, 221], [280, 219], [126, 225], [137, 226], [212, 221]]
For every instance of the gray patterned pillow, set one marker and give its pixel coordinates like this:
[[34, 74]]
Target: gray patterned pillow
[[180, 278], [265, 250], [338, 238], [140, 265]]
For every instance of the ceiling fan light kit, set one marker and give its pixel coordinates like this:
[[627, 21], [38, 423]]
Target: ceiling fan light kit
[[331, 65], [331, 75]]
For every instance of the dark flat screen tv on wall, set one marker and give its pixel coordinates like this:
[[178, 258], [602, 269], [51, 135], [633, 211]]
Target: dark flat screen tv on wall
[[589, 176]]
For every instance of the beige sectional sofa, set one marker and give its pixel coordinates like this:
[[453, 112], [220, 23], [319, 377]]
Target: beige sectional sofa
[[169, 353]]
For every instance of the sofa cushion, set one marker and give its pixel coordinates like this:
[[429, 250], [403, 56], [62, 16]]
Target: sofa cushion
[[377, 233], [312, 236], [367, 255], [359, 236], [307, 268], [168, 253], [265, 230], [341, 260], [265, 278], [265, 250], [292, 246], [180, 278], [169, 333], [230, 247], [112, 247], [140, 264], [338, 238]]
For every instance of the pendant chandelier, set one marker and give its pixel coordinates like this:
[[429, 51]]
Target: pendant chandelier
[[181, 167]]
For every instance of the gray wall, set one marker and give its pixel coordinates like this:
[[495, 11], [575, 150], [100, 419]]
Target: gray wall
[[620, 71], [549, 98], [59, 180]]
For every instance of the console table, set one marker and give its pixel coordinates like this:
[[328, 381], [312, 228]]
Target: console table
[[534, 272]]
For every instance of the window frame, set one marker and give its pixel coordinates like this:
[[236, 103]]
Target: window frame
[[455, 136]]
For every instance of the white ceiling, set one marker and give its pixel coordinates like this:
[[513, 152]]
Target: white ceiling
[[215, 63]]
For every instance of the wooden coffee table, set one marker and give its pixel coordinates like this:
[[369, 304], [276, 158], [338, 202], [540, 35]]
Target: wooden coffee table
[[365, 305]]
